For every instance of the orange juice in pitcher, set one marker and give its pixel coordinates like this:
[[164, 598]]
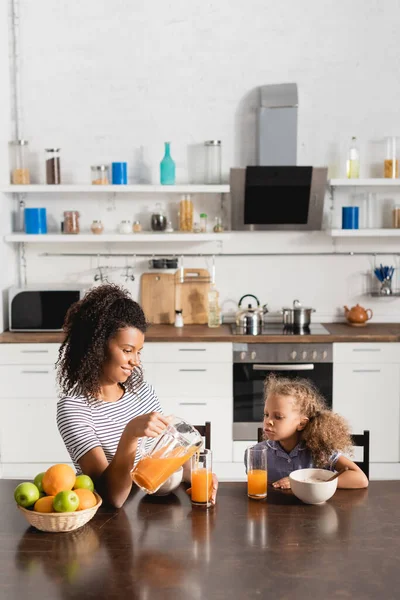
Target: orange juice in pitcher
[[165, 454]]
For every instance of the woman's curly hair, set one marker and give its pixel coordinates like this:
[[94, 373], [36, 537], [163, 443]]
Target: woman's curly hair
[[89, 325], [326, 431]]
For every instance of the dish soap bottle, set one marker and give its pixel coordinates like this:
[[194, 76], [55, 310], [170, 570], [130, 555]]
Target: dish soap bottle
[[167, 167], [353, 160], [213, 307]]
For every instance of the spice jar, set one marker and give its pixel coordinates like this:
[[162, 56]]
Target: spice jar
[[125, 227], [19, 160], [137, 227], [97, 227], [391, 164], [218, 227], [213, 161], [203, 222], [71, 221], [186, 213], [100, 175], [53, 168], [396, 216]]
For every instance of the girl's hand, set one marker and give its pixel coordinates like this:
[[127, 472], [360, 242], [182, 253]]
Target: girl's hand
[[282, 484], [149, 425], [212, 494]]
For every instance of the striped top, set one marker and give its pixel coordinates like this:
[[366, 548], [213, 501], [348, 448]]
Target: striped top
[[85, 424]]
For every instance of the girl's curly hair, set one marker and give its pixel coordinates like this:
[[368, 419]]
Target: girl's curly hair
[[89, 325], [326, 431]]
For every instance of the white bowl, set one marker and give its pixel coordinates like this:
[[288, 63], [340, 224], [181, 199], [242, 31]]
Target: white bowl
[[171, 484], [311, 485]]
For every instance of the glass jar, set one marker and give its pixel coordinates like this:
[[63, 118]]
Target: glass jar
[[53, 167], [100, 175], [218, 227], [158, 219], [391, 165], [213, 161], [186, 213], [137, 227], [71, 221], [203, 222], [19, 161], [396, 216], [125, 227], [97, 227]]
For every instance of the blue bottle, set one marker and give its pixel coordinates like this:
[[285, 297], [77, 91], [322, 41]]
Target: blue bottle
[[167, 167]]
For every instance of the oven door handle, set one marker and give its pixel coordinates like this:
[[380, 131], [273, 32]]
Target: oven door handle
[[295, 367]]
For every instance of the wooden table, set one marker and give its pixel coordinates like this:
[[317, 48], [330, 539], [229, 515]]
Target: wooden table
[[161, 548]]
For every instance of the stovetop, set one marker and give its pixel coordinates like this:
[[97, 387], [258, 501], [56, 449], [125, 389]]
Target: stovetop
[[280, 329]]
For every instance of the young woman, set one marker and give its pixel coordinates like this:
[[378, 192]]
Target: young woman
[[302, 433], [106, 405]]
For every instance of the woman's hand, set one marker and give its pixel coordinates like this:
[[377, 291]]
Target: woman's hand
[[282, 484], [212, 493], [149, 425]]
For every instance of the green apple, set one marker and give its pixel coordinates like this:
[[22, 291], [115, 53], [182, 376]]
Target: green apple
[[83, 482], [38, 481], [66, 501], [26, 494]]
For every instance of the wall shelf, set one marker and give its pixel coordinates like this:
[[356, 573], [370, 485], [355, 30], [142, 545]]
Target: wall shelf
[[59, 238], [357, 233], [378, 182], [116, 189]]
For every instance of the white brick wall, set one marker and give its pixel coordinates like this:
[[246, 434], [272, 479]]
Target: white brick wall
[[104, 79]]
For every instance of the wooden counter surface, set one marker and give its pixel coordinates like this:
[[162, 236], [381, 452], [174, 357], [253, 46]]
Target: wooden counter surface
[[339, 332]]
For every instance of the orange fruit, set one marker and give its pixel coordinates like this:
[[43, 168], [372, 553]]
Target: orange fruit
[[86, 498], [44, 505], [58, 478]]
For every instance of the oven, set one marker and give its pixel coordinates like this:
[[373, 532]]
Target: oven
[[252, 363]]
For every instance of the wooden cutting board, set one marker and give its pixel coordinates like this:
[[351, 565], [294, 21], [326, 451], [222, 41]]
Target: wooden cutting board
[[192, 297], [158, 297]]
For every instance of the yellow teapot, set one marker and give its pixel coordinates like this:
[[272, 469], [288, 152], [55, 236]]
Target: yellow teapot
[[357, 315]]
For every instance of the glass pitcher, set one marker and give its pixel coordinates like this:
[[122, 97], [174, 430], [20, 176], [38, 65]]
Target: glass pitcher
[[165, 454]]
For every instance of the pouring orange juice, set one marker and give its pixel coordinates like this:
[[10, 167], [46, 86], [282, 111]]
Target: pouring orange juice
[[165, 454]]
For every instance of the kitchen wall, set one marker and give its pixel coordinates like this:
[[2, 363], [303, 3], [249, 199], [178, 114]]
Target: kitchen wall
[[111, 80]]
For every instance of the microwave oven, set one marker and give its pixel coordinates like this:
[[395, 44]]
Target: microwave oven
[[40, 308]]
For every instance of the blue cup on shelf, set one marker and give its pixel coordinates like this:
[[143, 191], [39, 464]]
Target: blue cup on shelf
[[119, 173], [350, 217], [35, 220]]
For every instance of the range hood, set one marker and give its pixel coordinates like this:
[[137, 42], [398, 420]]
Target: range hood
[[277, 194]]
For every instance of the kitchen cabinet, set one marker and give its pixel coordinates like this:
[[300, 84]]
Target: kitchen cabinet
[[29, 438], [366, 391], [194, 381]]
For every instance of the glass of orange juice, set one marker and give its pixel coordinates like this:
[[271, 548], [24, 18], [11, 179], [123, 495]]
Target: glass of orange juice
[[202, 478], [256, 464]]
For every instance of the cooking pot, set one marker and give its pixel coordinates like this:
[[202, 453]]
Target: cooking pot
[[298, 316], [249, 321]]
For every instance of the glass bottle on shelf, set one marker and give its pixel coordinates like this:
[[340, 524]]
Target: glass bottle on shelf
[[19, 160], [396, 216], [97, 227], [186, 213], [213, 162], [167, 167], [391, 164], [218, 227], [203, 222], [100, 175], [158, 219], [353, 160], [125, 227], [137, 227], [53, 167], [71, 221]]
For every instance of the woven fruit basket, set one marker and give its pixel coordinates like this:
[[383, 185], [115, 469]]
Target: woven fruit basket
[[57, 522]]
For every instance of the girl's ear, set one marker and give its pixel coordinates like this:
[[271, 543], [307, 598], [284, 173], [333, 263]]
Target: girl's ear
[[303, 423]]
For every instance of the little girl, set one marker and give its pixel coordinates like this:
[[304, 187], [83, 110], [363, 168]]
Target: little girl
[[300, 432]]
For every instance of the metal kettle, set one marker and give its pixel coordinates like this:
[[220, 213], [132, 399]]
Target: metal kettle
[[249, 321]]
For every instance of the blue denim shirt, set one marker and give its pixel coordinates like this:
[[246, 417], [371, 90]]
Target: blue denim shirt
[[280, 463]]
